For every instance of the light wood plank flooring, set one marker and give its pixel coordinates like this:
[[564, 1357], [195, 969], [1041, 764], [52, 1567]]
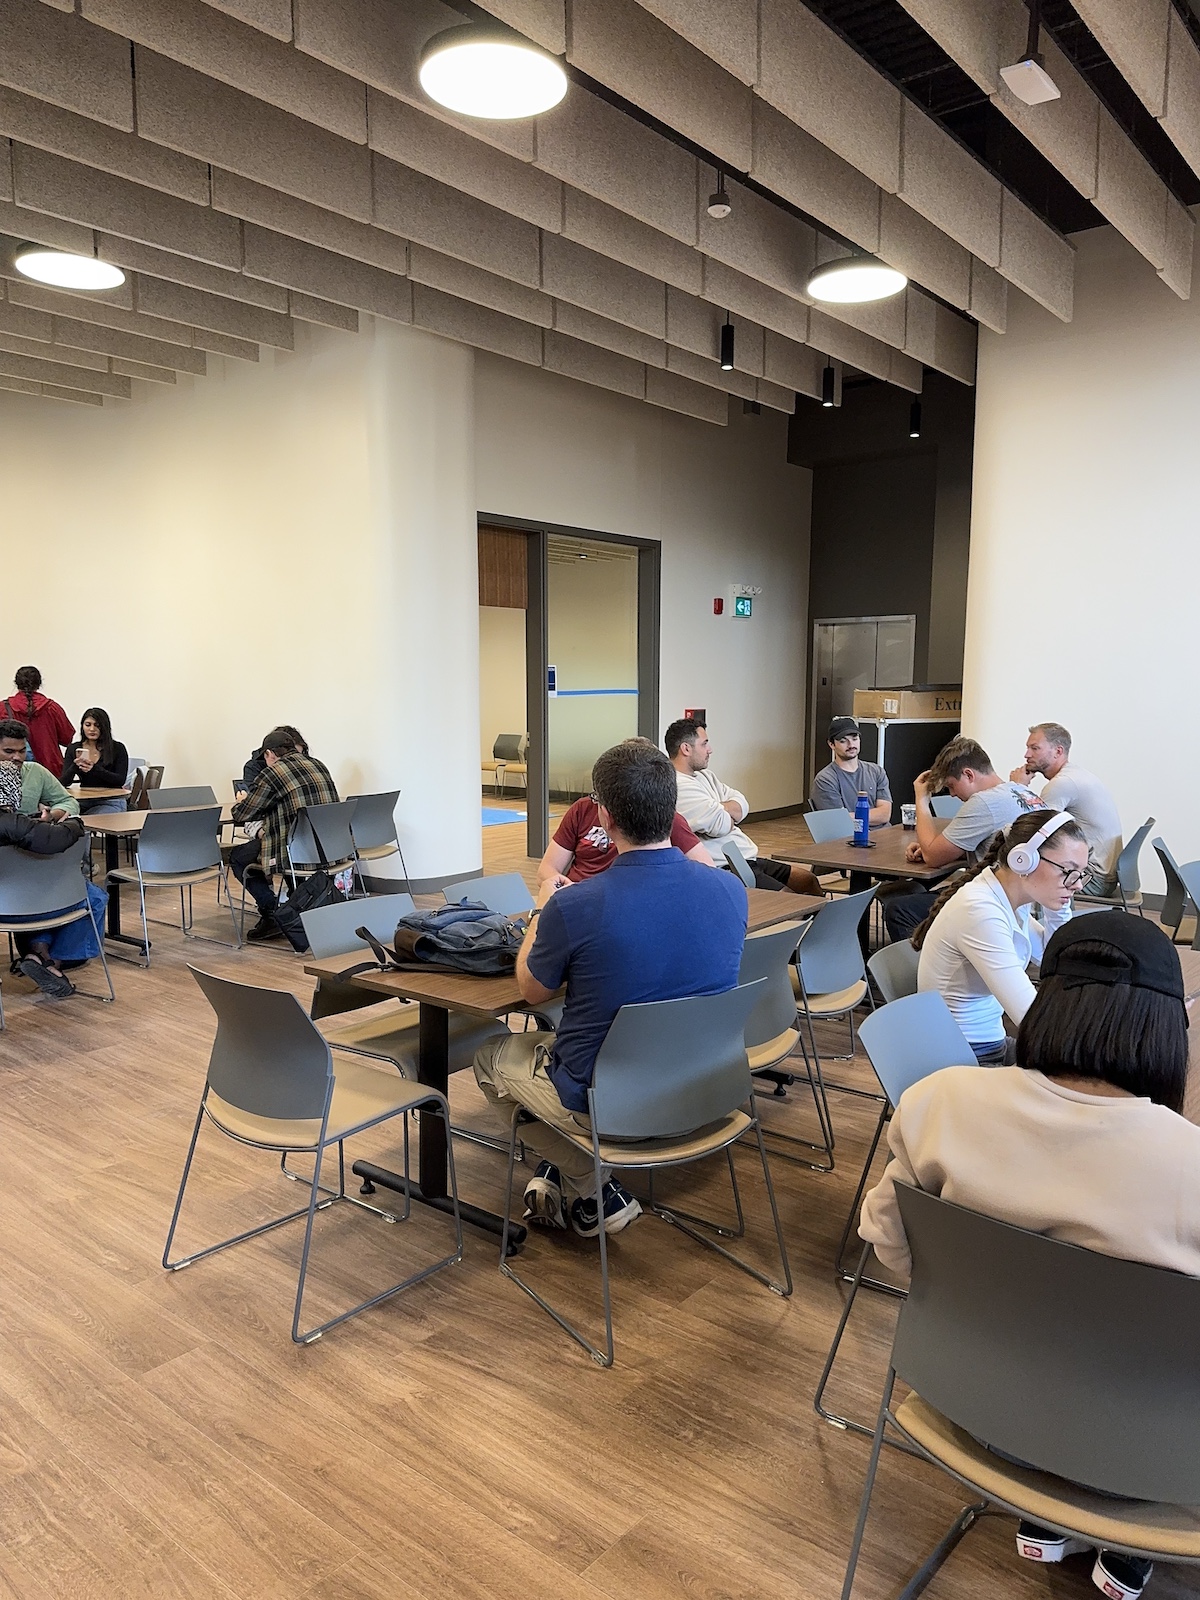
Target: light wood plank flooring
[[160, 1436]]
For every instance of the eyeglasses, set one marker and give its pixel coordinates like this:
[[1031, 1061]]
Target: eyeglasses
[[1072, 877]]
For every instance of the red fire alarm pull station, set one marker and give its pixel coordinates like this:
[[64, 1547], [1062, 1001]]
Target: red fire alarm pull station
[[718, 607]]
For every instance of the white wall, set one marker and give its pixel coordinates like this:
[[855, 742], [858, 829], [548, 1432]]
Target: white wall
[[1085, 538], [287, 542], [501, 674], [727, 509]]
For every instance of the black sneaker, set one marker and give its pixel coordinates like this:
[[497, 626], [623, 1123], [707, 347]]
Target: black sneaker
[[544, 1202], [1121, 1577], [51, 983], [265, 928], [1042, 1544], [620, 1209]]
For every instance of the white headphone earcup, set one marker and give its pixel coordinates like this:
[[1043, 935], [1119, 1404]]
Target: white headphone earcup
[[1023, 860]]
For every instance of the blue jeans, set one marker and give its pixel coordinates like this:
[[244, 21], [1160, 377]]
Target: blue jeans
[[92, 808]]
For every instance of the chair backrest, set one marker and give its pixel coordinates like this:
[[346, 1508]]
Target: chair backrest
[[1189, 871], [1174, 906], [668, 1067], [1081, 1364], [945, 805], [152, 777], [1128, 875], [738, 862], [507, 747], [267, 1058], [137, 792], [373, 822], [330, 929], [32, 886], [200, 794], [768, 954], [911, 1037], [894, 969], [332, 825], [831, 957], [826, 826], [505, 892], [180, 841]]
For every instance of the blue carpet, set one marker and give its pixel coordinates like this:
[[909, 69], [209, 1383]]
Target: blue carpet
[[494, 815]]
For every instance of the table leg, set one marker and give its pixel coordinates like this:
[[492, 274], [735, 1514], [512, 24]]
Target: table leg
[[433, 1068], [112, 859]]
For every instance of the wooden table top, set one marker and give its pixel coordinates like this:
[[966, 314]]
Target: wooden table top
[[885, 858], [768, 906], [126, 823], [80, 791]]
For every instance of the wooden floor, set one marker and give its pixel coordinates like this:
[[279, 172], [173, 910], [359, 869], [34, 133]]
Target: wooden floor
[[161, 1436]]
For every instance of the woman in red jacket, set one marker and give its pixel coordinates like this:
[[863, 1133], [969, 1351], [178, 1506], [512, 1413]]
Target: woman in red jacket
[[48, 724]]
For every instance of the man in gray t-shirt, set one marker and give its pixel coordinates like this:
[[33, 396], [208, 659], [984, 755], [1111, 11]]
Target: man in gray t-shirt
[[846, 777], [1073, 788], [989, 803]]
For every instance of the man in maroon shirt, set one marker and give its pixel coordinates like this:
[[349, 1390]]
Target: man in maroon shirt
[[581, 848]]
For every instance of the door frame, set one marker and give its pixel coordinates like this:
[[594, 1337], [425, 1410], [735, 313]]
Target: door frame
[[537, 654], [815, 742]]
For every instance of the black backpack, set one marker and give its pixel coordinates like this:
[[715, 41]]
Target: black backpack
[[465, 937]]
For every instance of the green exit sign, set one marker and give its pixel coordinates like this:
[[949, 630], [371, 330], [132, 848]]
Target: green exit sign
[[743, 605]]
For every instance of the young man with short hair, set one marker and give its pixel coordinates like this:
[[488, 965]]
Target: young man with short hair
[[25, 786], [989, 803], [713, 810], [1073, 788], [653, 926], [289, 782], [847, 776]]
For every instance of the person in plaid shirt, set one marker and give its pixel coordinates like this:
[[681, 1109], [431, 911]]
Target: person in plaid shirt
[[289, 782]]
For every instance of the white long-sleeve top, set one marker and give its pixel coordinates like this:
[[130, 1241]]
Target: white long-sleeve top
[[1113, 1173], [701, 805], [976, 953]]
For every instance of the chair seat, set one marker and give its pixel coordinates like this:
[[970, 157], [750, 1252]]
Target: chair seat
[[1084, 902], [772, 1051], [392, 1030], [493, 766], [376, 852], [165, 880], [362, 1094], [57, 919], [834, 1004], [1166, 1530], [664, 1152]]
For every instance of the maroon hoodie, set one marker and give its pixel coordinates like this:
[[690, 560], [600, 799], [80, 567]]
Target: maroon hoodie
[[49, 727]]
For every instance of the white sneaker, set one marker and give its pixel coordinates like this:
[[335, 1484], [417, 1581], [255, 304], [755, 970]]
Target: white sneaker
[[544, 1202], [1040, 1544], [1121, 1577]]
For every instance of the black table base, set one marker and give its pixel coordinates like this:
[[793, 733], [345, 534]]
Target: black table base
[[488, 1221]]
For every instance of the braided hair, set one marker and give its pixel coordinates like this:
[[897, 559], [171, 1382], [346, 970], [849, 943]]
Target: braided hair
[[28, 681], [1018, 832]]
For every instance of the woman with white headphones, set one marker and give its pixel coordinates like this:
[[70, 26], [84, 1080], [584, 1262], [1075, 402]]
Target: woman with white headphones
[[979, 938]]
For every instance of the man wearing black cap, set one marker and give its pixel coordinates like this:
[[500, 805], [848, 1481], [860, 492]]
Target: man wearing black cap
[[846, 777]]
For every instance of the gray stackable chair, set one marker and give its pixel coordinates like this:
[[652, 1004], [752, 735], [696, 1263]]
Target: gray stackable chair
[[830, 977], [894, 969], [272, 1085], [505, 892], [671, 1086], [738, 862], [373, 829], [827, 826], [945, 806], [1129, 882], [773, 1032], [508, 755], [1177, 902], [1083, 1365], [905, 1041], [200, 794], [321, 828], [39, 893], [178, 850]]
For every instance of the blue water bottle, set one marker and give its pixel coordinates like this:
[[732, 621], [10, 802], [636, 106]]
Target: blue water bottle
[[862, 821]]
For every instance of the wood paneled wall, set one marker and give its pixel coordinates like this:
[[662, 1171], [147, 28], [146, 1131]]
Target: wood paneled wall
[[502, 569]]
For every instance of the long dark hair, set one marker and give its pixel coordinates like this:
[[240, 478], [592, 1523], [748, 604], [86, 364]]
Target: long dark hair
[[1131, 1037], [28, 681], [1018, 832], [104, 744]]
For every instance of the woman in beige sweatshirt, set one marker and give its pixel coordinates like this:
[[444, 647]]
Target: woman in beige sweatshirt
[[1082, 1140]]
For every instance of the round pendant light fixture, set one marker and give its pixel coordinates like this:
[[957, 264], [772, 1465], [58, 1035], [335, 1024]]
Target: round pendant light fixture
[[480, 71], [855, 280], [64, 270]]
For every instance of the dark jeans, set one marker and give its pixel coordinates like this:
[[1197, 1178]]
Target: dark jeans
[[244, 860], [903, 912]]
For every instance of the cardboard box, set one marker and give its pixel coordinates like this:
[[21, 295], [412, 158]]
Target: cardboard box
[[922, 705]]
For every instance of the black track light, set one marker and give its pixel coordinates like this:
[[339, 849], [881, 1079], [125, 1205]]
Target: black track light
[[718, 201], [914, 420], [727, 336], [827, 382]]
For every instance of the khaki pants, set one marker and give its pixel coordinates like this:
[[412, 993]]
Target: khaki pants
[[511, 1070]]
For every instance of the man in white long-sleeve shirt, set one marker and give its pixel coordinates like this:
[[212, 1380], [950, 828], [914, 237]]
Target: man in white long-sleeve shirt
[[713, 810]]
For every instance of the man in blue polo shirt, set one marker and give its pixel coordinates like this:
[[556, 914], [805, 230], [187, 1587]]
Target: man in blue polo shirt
[[655, 926]]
